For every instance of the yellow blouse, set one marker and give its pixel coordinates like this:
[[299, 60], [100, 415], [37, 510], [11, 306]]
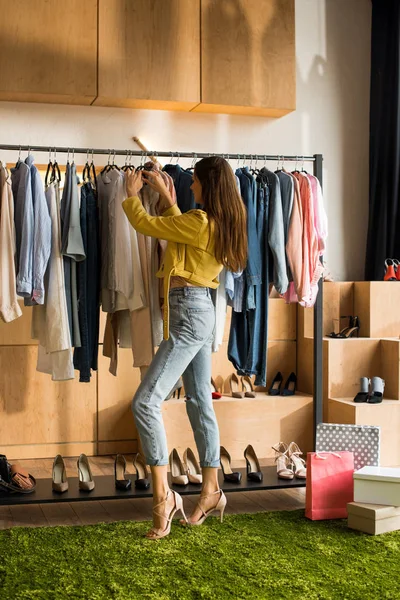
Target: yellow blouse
[[190, 251]]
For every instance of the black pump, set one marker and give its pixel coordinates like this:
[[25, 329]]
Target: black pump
[[141, 482], [121, 482], [290, 385], [253, 469], [275, 387], [229, 475]]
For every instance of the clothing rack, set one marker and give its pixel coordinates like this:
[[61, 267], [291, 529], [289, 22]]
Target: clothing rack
[[105, 488]]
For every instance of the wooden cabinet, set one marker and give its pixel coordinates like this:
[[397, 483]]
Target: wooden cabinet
[[48, 51], [248, 57], [149, 54]]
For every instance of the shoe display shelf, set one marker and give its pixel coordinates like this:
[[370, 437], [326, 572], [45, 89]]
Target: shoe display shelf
[[376, 352]]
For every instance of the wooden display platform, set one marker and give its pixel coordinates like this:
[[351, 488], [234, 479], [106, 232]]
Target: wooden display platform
[[105, 489], [386, 415], [262, 421]]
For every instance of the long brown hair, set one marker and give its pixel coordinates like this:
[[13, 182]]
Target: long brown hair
[[225, 208]]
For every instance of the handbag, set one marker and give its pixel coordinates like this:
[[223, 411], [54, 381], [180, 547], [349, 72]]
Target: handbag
[[14, 478]]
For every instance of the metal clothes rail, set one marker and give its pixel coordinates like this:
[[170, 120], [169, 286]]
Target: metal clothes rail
[[108, 491], [113, 152]]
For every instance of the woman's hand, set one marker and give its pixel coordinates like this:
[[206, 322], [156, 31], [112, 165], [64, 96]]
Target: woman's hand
[[156, 182], [134, 183]]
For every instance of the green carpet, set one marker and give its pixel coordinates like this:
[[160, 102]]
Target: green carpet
[[264, 555]]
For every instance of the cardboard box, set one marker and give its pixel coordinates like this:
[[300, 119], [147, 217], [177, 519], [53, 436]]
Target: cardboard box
[[373, 518], [377, 485]]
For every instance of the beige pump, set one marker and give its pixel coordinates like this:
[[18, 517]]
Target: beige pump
[[248, 387], [234, 386], [178, 473], [192, 467], [86, 483], [60, 481]]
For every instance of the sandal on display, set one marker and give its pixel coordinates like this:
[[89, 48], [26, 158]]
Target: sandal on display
[[219, 507], [247, 386], [142, 475], [178, 473], [390, 273], [377, 387], [290, 385], [396, 264], [229, 475], [283, 462], [234, 386], [121, 482], [350, 330], [86, 483], [299, 465], [215, 392], [59, 478], [275, 387], [362, 395], [158, 533], [253, 469], [14, 478], [192, 467]]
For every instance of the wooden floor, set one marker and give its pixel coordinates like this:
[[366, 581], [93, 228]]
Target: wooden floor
[[85, 513]]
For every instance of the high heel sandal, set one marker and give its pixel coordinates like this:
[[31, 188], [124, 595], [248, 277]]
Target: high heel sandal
[[390, 273], [247, 386], [220, 507], [192, 467], [225, 460], [142, 476], [283, 462], [253, 469], [178, 473], [234, 386], [299, 465], [350, 331], [158, 533]]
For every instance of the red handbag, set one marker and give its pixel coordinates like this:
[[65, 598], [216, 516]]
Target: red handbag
[[329, 484]]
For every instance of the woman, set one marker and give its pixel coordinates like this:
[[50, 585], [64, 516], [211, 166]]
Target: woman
[[200, 244]]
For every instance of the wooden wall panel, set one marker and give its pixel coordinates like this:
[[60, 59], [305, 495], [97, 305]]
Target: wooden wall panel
[[36, 410], [18, 332], [377, 305], [262, 422], [149, 54], [248, 57], [115, 418], [49, 51]]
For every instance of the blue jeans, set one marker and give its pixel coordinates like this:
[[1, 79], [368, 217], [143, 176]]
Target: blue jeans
[[186, 353]]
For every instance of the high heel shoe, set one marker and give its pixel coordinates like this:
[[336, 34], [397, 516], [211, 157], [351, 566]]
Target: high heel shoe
[[290, 385], [59, 480], [390, 274], [275, 387], [86, 483], [247, 386], [121, 482], [283, 462], [216, 394], [225, 460], [158, 533], [192, 467], [219, 507], [234, 386], [142, 475], [178, 475], [252, 465], [299, 465], [350, 331]]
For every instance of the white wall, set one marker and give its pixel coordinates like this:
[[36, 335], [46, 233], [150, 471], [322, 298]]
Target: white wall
[[333, 62]]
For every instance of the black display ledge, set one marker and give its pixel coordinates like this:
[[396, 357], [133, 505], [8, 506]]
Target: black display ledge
[[105, 489]]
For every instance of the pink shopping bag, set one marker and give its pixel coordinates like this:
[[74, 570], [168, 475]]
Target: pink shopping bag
[[329, 485]]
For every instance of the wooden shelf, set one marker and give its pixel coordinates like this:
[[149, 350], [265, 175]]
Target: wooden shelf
[[386, 415]]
